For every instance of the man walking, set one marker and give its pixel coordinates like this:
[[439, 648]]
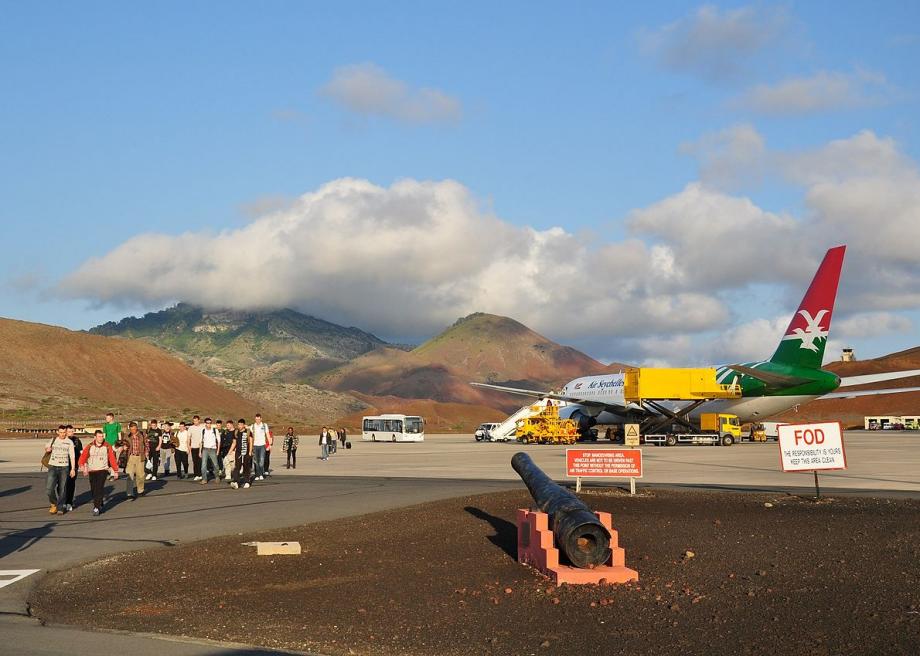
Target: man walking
[[289, 446], [154, 434], [72, 482], [210, 444], [324, 444], [166, 448], [260, 439], [61, 464], [243, 461], [137, 454], [98, 459], [113, 433], [227, 454], [182, 447], [195, 431]]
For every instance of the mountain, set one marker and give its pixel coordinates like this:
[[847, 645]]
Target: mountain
[[480, 347], [48, 372], [851, 411], [283, 344]]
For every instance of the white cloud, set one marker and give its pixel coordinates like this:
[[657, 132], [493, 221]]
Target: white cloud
[[872, 324], [369, 90], [408, 259], [730, 159], [715, 44], [823, 91], [403, 260]]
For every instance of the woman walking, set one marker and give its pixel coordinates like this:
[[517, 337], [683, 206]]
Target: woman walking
[[96, 461], [289, 446], [61, 464]]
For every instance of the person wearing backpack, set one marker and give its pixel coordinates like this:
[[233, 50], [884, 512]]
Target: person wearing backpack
[[210, 445], [96, 462], [154, 434], [61, 464], [72, 482]]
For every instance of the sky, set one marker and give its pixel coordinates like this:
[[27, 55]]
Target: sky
[[651, 184]]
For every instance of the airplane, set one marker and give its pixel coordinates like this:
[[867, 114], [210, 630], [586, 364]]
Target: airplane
[[791, 377]]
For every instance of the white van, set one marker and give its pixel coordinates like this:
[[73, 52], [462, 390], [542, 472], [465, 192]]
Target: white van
[[771, 429], [482, 433]]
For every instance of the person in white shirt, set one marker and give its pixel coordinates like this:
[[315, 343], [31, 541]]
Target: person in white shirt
[[182, 447], [195, 431], [260, 438], [210, 445]]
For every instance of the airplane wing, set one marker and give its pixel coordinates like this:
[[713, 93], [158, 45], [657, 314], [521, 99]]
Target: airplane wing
[[877, 378], [612, 407], [854, 393], [771, 379]]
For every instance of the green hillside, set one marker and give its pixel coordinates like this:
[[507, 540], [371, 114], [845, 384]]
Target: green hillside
[[279, 344]]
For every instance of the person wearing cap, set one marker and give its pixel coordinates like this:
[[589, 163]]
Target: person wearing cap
[[137, 455]]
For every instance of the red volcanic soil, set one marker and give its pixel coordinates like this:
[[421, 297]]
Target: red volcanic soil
[[720, 574], [55, 371]]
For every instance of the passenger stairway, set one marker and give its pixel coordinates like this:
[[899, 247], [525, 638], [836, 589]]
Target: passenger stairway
[[505, 430]]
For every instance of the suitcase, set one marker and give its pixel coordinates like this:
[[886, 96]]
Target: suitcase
[[347, 445]]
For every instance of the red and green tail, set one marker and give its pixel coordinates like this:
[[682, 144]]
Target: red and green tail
[[806, 337]]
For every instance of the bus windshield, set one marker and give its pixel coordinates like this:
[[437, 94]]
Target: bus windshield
[[414, 425]]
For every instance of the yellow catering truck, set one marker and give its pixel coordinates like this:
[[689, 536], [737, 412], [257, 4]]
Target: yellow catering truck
[[715, 428]]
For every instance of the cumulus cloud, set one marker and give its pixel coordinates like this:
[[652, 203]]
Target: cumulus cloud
[[872, 324], [369, 90], [730, 159], [408, 259], [404, 260], [713, 43], [824, 91]]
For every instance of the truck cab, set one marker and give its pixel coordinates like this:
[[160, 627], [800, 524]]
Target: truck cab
[[726, 425]]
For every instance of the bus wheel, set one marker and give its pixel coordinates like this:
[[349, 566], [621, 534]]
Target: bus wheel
[[670, 440], [727, 440]]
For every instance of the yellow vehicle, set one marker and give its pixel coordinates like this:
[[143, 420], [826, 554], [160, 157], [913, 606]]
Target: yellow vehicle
[[545, 427], [758, 433], [727, 426]]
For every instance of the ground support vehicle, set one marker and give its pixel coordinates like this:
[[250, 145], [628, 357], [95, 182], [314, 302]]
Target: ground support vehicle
[[546, 427], [483, 433], [715, 429]]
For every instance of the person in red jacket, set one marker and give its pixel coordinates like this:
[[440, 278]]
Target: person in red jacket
[[97, 461]]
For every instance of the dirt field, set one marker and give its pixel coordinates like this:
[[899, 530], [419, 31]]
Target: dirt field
[[798, 577]]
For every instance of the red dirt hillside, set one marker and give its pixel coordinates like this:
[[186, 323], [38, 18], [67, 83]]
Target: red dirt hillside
[[852, 411], [481, 348], [52, 372]]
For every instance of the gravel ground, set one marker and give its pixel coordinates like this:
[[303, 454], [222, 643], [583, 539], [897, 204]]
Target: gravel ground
[[720, 573]]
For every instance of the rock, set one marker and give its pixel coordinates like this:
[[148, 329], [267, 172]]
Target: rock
[[768, 505], [545, 643], [689, 554], [508, 590]]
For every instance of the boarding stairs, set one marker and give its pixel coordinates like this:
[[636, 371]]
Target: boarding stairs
[[504, 432]]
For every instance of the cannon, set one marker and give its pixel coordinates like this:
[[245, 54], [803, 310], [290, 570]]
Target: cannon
[[578, 532]]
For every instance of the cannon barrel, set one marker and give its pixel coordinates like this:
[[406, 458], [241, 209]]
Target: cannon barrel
[[578, 532]]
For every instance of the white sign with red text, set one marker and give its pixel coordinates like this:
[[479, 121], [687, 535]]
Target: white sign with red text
[[811, 447]]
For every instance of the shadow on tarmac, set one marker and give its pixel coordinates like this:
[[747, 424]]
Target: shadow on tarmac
[[505, 537], [15, 490]]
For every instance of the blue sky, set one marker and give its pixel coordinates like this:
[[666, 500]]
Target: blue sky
[[184, 118]]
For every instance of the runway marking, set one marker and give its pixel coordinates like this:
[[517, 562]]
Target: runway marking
[[10, 576]]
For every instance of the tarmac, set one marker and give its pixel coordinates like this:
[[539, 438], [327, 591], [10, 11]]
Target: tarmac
[[367, 478]]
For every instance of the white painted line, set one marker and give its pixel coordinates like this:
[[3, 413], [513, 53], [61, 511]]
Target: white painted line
[[16, 574]]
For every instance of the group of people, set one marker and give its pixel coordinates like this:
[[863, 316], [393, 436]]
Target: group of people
[[235, 451]]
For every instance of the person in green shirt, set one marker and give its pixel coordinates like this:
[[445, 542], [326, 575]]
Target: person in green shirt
[[112, 430]]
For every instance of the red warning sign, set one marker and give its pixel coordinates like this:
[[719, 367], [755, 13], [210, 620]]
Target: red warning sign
[[603, 463]]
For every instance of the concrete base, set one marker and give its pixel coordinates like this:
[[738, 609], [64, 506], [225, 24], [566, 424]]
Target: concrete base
[[277, 548], [536, 548]]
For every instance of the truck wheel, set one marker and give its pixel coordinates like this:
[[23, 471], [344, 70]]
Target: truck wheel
[[727, 440], [670, 440]]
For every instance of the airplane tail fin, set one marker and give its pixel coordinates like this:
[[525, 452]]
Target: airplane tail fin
[[804, 341]]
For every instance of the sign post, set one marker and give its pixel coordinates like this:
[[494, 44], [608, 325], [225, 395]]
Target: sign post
[[631, 435], [604, 463], [812, 447]]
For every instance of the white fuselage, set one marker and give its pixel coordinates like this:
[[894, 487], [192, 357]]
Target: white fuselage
[[609, 389]]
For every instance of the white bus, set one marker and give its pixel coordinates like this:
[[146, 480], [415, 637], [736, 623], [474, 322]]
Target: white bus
[[393, 428]]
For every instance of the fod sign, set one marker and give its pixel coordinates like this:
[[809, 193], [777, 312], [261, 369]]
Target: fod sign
[[811, 447]]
